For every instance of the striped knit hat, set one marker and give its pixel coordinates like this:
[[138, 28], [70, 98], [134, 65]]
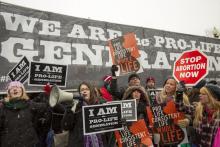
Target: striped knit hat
[[107, 78]]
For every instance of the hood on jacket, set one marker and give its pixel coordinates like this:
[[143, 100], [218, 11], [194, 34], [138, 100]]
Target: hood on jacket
[[130, 89]]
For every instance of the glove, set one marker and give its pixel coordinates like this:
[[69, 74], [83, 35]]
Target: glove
[[183, 123], [180, 89], [114, 69], [179, 96], [181, 86], [47, 88]]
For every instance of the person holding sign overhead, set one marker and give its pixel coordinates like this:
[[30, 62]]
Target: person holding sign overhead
[[73, 122], [117, 93], [206, 114]]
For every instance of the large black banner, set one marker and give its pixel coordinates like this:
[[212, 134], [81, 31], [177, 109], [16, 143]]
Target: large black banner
[[82, 45]]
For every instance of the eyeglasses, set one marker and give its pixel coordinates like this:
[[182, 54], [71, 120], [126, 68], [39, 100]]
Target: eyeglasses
[[85, 89]]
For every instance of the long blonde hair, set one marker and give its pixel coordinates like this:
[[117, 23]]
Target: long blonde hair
[[213, 103], [163, 97]]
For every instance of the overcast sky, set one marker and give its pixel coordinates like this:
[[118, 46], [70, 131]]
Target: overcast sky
[[182, 16]]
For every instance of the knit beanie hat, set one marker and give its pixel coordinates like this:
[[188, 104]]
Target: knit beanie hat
[[213, 82], [200, 84], [107, 78], [132, 76], [14, 84], [150, 78], [214, 90]]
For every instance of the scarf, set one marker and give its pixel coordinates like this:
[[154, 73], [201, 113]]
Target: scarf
[[16, 104], [209, 113]]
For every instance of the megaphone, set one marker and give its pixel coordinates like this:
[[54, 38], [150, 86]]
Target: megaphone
[[57, 96]]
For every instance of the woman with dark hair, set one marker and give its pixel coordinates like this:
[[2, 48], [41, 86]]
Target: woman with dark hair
[[138, 93], [73, 122]]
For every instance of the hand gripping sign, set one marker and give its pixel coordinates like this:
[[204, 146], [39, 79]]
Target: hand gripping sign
[[191, 67]]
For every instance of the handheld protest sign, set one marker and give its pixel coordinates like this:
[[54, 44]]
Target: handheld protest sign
[[163, 119], [134, 135], [191, 67], [42, 73], [101, 118], [20, 71], [125, 53], [129, 109]]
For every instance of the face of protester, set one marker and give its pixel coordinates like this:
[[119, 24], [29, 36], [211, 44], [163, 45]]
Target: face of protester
[[85, 92], [134, 82], [136, 95], [204, 99], [150, 84], [170, 86], [15, 92]]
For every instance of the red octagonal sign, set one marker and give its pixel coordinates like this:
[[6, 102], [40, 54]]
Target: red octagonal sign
[[191, 67]]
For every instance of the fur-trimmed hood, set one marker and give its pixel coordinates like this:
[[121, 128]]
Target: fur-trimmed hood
[[130, 89]]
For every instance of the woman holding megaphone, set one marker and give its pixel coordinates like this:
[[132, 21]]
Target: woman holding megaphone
[[73, 122]]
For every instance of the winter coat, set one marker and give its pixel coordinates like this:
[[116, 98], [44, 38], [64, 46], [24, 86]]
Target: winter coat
[[73, 122], [16, 123], [42, 119], [206, 129], [116, 92]]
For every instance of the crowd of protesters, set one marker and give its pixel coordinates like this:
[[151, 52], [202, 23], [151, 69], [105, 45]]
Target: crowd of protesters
[[31, 122]]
